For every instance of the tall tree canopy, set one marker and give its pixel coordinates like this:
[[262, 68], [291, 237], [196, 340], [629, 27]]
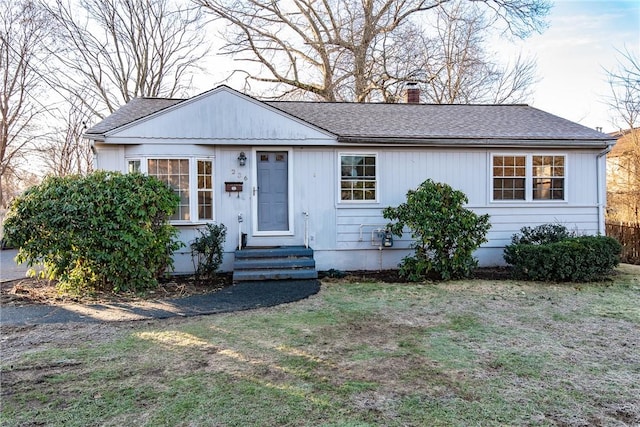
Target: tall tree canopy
[[457, 68], [347, 50], [116, 50], [23, 30]]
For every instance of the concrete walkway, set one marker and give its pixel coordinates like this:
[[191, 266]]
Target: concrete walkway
[[241, 296]]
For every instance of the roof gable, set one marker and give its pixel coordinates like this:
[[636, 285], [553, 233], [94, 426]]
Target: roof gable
[[219, 114]]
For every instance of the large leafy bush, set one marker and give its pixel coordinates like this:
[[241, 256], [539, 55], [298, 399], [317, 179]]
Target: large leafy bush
[[105, 231], [445, 233], [550, 253]]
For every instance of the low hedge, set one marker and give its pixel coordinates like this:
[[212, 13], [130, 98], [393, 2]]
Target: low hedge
[[574, 259]]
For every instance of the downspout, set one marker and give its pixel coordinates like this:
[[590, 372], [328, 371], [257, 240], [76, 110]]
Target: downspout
[[601, 193], [240, 219]]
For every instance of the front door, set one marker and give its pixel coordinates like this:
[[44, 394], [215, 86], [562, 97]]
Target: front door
[[273, 194]]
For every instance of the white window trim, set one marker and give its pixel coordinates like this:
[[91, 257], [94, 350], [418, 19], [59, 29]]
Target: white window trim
[[528, 193], [339, 180], [193, 183]]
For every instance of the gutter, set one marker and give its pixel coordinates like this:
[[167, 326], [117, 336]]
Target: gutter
[[486, 142], [602, 196]]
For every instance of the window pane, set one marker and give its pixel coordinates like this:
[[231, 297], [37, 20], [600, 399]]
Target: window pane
[[133, 166], [508, 188], [163, 167], [509, 177], [204, 174], [358, 175], [174, 173], [205, 204], [548, 189], [548, 177], [204, 167], [205, 187]]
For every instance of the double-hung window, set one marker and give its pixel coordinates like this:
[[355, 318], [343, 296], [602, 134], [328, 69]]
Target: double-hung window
[[527, 177], [190, 178], [358, 178], [205, 189], [548, 177]]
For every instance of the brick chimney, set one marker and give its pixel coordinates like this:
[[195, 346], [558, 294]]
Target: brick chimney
[[413, 93]]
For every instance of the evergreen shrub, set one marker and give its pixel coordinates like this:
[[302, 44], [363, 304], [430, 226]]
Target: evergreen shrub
[[546, 257], [445, 233], [105, 231]]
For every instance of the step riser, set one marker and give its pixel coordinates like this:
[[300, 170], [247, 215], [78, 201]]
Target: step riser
[[281, 252], [249, 264], [280, 263], [240, 276]]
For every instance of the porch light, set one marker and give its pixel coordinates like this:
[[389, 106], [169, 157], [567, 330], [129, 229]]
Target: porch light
[[242, 159]]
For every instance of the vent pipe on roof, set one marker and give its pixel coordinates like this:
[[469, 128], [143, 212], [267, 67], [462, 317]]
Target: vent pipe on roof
[[413, 93]]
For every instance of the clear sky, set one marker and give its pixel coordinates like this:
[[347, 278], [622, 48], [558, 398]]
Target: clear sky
[[574, 52]]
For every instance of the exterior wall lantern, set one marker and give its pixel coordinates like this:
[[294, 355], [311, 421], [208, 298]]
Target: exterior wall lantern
[[242, 159]]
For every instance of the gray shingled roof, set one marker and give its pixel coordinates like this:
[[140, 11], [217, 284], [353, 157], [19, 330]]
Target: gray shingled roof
[[135, 109], [400, 122], [351, 121]]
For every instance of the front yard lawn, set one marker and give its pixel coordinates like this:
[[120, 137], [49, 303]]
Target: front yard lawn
[[476, 352]]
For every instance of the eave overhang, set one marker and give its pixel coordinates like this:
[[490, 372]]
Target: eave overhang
[[489, 142]]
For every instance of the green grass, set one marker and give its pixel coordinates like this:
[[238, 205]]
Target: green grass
[[364, 354]]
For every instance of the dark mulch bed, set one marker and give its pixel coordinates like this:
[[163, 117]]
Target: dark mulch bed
[[37, 291], [393, 276]]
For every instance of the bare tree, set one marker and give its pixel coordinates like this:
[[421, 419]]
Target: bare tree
[[340, 49], [115, 50], [22, 35], [66, 152], [625, 89], [456, 67], [624, 102]]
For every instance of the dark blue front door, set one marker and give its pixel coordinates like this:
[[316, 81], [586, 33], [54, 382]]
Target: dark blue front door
[[273, 194]]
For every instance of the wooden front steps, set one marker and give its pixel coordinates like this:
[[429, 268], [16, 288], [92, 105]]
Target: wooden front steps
[[274, 263]]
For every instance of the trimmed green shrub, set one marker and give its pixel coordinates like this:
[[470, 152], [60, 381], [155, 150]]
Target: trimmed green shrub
[[574, 259], [542, 234], [207, 250], [445, 233], [105, 231]]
